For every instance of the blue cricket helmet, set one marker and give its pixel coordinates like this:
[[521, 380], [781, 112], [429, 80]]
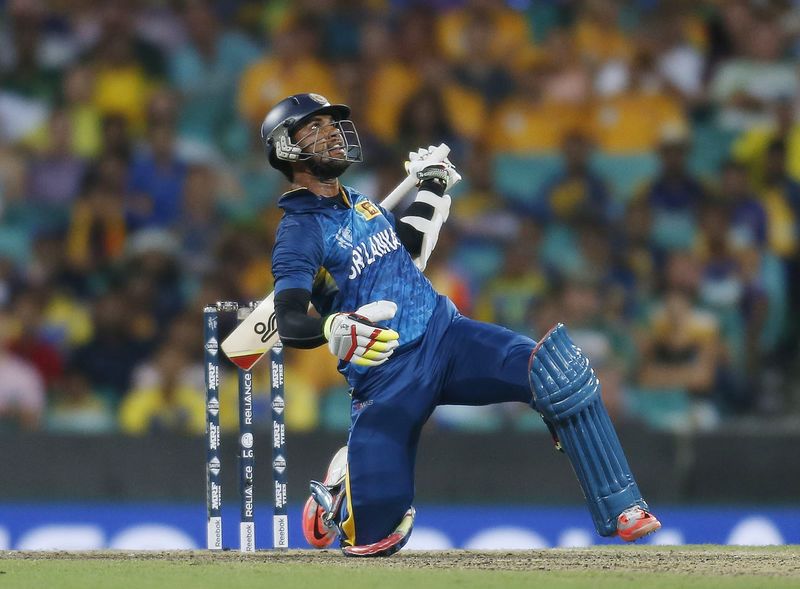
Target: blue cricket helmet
[[286, 116]]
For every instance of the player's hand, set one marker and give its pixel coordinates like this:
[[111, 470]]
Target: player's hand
[[357, 337], [421, 169]]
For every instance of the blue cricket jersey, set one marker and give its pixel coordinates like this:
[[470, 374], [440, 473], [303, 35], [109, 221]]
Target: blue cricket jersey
[[349, 255]]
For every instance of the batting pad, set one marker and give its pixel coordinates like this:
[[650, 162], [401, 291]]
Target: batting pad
[[567, 394]]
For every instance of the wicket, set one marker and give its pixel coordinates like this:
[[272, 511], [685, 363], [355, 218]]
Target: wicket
[[246, 458]]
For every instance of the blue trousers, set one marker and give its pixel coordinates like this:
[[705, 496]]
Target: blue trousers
[[458, 361]]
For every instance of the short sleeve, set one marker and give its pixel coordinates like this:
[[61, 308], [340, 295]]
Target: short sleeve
[[298, 252]]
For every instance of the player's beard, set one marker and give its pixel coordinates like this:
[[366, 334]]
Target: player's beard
[[326, 168]]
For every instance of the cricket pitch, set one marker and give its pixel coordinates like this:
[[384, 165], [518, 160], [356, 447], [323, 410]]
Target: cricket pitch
[[658, 567]]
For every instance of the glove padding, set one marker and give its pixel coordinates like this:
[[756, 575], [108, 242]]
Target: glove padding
[[356, 337], [421, 169], [430, 225]]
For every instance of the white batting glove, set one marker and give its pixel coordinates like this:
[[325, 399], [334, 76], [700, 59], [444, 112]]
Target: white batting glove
[[357, 337], [423, 153], [418, 167]]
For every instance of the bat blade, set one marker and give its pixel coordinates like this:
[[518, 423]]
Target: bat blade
[[253, 337]]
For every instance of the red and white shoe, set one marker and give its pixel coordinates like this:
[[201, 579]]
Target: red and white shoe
[[316, 533], [635, 523], [389, 545], [319, 512]]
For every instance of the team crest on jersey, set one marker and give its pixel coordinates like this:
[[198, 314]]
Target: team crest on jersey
[[318, 98], [367, 210], [344, 237]]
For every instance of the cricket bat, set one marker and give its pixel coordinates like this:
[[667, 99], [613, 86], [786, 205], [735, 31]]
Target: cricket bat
[[258, 333]]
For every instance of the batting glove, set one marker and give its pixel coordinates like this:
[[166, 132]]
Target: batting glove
[[421, 169], [357, 337]]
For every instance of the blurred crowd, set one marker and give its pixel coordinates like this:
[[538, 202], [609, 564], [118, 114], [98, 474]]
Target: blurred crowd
[[631, 169]]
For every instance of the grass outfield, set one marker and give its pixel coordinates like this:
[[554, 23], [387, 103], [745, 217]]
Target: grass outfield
[[652, 567]]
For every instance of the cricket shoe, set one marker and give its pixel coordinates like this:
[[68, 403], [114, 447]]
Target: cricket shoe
[[322, 507], [635, 523], [390, 544]]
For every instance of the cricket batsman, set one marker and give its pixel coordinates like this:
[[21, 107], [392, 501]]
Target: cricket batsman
[[404, 348]]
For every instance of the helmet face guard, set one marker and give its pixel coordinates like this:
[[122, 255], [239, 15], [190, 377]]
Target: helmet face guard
[[346, 145]]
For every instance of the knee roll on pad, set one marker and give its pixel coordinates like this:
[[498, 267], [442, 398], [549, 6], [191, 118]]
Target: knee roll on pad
[[567, 394]]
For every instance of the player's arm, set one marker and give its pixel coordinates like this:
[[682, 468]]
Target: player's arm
[[419, 227], [296, 258], [354, 337], [296, 327]]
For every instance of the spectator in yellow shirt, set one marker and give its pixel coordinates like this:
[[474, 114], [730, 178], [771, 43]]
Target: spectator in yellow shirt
[[478, 67], [388, 80], [680, 347], [396, 67], [780, 197], [597, 34], [121, 84], [97, 232], [507, 298], [576, 190], [293, 67], [127, 66], [85, 117], [634, 120], [168, 403], [751, 147], [528, 121], [510, 37]]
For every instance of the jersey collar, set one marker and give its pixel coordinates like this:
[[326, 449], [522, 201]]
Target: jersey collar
[[302, 198]]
